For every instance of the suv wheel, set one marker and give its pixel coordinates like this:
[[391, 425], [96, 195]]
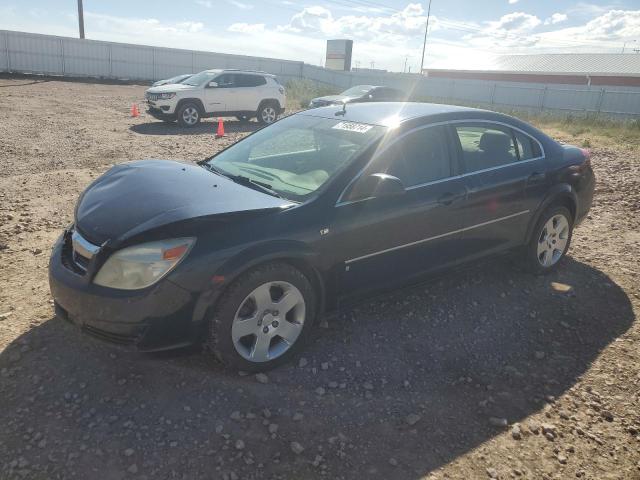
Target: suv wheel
[[263, 318], [243, 118], [550, 240], [188, 115], [267, 113]]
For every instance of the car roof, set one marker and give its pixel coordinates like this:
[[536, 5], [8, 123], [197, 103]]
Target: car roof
[[390, 113], [237, 70]]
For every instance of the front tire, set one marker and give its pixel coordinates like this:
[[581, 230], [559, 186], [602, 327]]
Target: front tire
[[188, 115], [550, 240], [263, 318], [268, 113]]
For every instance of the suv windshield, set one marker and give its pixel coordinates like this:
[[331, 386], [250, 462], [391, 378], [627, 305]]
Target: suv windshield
[[200, 78], [357, 90], [296, 155]]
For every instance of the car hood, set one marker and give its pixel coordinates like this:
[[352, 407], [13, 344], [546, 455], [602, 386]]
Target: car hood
[[161, 82], [135, 197], [171, 87]]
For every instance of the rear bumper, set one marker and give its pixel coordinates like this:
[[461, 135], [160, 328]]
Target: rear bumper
[[152, 319], [585, 190]]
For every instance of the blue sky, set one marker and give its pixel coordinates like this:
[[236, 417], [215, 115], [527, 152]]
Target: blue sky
[[462, 33]]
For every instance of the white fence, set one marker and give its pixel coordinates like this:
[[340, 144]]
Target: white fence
[[51, 55]]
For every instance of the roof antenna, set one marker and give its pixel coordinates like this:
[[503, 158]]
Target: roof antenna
[[344, 108]]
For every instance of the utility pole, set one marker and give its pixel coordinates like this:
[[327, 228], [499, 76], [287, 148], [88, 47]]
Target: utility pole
[[424, 44], [80, 19], [404, 69]]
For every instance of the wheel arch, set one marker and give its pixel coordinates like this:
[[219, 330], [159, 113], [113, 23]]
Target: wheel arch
[[198, 103], [563, 195], [296, 254], [269, 100]]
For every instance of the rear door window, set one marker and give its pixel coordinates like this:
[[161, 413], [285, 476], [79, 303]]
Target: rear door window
[[250, 80], [485, 146], [528, 148]]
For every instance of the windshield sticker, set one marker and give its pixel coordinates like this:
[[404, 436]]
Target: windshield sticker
[[353, 127]]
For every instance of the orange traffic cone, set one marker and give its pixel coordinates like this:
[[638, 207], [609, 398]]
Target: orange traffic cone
[[220, 131], [134, 110]]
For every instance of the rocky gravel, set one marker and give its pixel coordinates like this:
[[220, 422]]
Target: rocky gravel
[[485, 372]]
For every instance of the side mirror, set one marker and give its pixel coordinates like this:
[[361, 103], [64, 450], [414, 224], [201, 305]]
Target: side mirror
[[378, 185], [212, 84]]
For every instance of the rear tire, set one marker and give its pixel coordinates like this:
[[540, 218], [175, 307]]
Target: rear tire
[[263, 318], [188, 115], [549, 241], [268, 113]]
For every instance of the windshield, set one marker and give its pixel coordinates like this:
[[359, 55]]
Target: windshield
[[357, 90], [297, 155], [200, 78], [176, 79]]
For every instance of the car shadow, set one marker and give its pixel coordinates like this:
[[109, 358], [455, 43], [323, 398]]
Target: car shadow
[[414, 375], [23, 84], [205, 127]]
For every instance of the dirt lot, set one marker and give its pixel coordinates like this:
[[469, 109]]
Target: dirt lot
[[486, 372]]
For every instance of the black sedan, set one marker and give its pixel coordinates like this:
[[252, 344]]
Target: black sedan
[[246, 250], [360, 94]]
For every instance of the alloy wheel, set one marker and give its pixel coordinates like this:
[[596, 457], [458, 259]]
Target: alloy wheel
[[268, 321], [268, 114], [552, 241], [190, 115]]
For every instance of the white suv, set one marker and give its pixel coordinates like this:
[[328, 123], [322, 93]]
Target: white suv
[[218, 93]]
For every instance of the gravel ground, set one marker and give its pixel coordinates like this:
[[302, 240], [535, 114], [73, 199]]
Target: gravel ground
[[486, 372]]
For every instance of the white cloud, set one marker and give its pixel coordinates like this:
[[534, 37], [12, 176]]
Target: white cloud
[[512, 2], [236, 3], [246, 27], [556, 18], [517, 22], [614, 24], [319, 20], [241, 5]]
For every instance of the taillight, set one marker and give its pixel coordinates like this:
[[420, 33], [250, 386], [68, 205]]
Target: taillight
[[587, 153]]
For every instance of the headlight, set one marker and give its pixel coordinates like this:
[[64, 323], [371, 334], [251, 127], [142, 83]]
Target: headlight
[[166, 96], [142, 265]]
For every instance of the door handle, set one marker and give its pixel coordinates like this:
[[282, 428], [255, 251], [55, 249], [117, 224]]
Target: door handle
[[450, 197], [536, 177]]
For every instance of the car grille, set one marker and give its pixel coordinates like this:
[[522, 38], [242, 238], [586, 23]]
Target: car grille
[[152, 96], [77, 253], [68, 257]]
